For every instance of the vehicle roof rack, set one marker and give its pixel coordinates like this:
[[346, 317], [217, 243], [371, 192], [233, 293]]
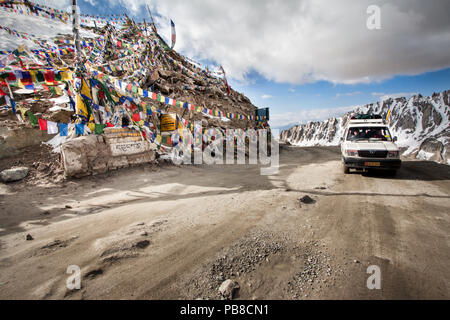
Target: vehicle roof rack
[[361, 116], [366, 119]]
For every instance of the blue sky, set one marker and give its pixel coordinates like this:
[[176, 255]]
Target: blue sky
[[287, 98], [307, 59]]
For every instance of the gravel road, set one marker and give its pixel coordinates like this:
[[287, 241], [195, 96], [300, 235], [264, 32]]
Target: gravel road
[[179, 232]]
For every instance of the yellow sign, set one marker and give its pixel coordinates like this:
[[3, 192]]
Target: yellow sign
[[168, 122]]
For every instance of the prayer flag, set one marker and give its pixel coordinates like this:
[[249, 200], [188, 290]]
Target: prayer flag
[[63, 129], [52, 127]]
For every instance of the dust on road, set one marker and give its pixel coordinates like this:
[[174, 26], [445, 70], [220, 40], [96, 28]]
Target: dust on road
[[178, 232]]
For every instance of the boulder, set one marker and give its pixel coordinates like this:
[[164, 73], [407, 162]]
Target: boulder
[[229, 288], [13, 174], [433, 149], [163, 88]]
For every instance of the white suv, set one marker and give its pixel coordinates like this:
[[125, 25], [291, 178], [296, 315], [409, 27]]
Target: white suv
[[368, 144]]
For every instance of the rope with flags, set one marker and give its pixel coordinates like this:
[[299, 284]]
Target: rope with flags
[[86, 90]]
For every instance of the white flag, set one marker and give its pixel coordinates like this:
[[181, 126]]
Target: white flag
[[52, 127]]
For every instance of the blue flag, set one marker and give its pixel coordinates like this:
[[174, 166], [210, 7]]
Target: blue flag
[[11, 103], [63, 129], [79, 128]]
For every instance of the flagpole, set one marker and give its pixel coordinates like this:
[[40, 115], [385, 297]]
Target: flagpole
[[76, 33], [152, 21]]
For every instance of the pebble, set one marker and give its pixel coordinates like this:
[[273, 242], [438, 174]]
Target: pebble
[[307, 199]]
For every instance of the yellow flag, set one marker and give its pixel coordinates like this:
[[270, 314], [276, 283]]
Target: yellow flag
[[33, 74], [80, 107], [66, 75], [85, 89]]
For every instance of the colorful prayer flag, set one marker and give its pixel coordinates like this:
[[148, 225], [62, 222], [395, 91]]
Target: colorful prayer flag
[[33, 119], [79, 128], [99, 128], [52, 127], [43, 124], [63, 129]]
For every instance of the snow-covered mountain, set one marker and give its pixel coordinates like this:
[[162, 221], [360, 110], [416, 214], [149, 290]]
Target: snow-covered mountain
[[422, 125], [40, 27]]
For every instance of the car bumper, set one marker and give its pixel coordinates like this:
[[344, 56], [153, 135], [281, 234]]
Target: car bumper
[[366, 163]]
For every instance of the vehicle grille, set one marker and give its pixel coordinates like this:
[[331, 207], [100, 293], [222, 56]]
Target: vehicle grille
[[372, 153]]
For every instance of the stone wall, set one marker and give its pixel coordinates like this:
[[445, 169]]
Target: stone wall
[[94, 154]]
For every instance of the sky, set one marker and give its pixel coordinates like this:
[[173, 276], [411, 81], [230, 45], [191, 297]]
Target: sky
[[307, 60]]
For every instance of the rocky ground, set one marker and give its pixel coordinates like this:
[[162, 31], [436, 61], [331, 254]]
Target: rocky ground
[[151, 233]]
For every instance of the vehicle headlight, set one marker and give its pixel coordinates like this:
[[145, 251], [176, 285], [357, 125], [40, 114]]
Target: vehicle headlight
[[392, 154], [351, 153]]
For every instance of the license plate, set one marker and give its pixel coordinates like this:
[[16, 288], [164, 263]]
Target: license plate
[[372, 164]]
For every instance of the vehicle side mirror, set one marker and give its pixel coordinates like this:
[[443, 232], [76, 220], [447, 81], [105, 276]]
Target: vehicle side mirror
[[395, 139]]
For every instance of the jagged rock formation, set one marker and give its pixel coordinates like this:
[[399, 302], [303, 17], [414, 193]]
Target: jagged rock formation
[[422, 125]]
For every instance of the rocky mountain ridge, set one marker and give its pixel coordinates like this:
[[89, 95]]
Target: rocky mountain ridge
[[421, 124]]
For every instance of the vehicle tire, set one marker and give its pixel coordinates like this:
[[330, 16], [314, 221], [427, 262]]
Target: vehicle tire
[[346, 169]]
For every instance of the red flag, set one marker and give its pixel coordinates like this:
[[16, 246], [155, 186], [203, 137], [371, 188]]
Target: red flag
[[49, 76], [43, 124], [2, 93], [136, 117]]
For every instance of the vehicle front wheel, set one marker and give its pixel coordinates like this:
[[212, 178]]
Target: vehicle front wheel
[[346, 169]]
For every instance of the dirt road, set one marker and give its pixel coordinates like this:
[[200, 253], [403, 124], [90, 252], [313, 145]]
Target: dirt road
[[178, 232]]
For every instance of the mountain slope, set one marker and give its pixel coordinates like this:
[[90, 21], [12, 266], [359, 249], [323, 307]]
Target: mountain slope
[[422, 125]]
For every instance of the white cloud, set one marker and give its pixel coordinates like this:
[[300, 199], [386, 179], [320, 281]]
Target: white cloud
[[266, 96], [278, 120], [302, 41], [384, 96], [92, 2], [348, 94]]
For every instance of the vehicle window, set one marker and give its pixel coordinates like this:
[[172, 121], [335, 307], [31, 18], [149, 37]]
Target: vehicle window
[[369, 133]]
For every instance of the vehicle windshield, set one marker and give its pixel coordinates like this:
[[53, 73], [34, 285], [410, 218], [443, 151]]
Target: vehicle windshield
[[369, 133]]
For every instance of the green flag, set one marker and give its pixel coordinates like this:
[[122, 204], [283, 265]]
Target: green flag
[[99, 128], [33, 119]]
